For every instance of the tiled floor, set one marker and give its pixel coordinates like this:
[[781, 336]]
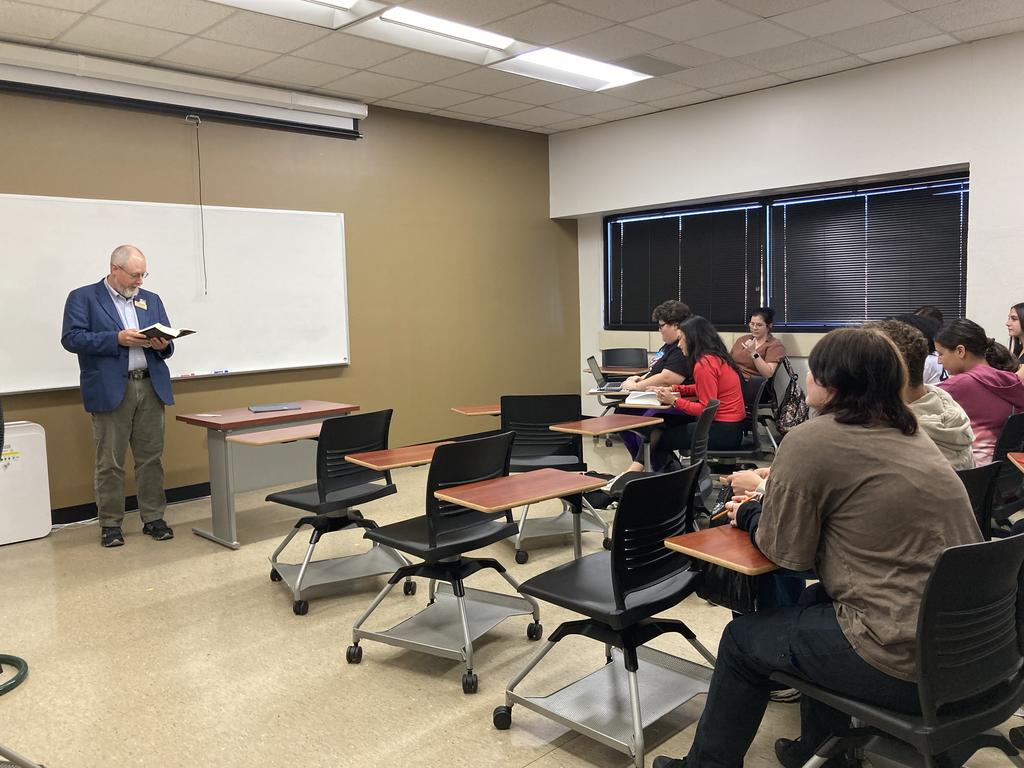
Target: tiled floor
[[182, 653]]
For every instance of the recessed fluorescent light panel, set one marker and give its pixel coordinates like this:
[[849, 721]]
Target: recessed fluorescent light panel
[[568, 69], [447, 28], [332, 14]]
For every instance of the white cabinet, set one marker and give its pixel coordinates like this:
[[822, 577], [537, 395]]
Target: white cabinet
[[24, 483]]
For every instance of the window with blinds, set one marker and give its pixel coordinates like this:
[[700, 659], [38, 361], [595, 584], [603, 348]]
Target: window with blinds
[[820, 260]]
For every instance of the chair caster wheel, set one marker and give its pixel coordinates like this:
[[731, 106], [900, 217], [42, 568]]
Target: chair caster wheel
[[469, 682], [300, 607], [522, 556], [608, 442], [534, 630], [502, 718], [274, 575], [354, 654], [1017, 737], [607, 543], [409, 588]]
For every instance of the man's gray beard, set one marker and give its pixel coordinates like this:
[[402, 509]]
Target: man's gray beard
[[130, 294]]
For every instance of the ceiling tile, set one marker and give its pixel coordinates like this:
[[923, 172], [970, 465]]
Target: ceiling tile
[[225, 57], [490, 106], [972, 13], [991, 30], [81, 6], [616, 10], [836, 15], [423, 67], [304, 72], [823, 68], [541, 116], [648, 90], [613, 43], [257, 30], [694, 97], [909, 49], [791, 56], [349, 51], [460, 116], [578, 122], [486, 81], [371, 85], [769, 8], [746, 39], [392, 104], [591, 104], [745, 86], [684, 55], [716, 73], [648, 65], [120, 37], [540, 93], [696, 19], [436, 96], [548, 24], [186, 16], [33, 21], [881, 34], [919, 5], [626, 112], [475, 13]]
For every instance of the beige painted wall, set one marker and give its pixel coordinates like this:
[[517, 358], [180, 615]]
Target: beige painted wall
[[460, 287]]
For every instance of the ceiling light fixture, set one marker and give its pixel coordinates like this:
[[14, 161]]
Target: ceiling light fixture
[[447, 28], [332, 14], [568, 69]]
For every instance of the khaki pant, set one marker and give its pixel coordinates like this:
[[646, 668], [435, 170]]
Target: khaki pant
[[139, 422]]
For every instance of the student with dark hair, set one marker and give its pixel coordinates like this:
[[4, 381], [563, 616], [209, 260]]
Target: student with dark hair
[[933, 371], [1013, 327], [758, 353], [863, 498], [932, 312], [983, 379]]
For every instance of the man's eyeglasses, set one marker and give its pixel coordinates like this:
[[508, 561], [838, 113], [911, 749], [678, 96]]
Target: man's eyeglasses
[[133, 275]]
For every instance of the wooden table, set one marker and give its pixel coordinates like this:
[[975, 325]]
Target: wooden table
[[1017, 459], [726, 546], [395, 458], [503, 493], [221, 427], [478, 410], [279, 435], [603, 425]]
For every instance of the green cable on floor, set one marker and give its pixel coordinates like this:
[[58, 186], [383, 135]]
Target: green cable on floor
[[14, 682]]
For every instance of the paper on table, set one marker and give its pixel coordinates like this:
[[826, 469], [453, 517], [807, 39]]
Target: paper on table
[[642, 398]]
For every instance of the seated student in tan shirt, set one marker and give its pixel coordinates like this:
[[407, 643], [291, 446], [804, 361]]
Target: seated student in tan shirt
[[866, 500]]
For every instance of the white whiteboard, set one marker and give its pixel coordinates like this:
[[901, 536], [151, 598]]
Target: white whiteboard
[[267, 292]]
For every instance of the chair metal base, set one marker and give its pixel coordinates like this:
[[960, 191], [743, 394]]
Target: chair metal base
[[318, 578], [16, 760], [600, 705], [563, 524]]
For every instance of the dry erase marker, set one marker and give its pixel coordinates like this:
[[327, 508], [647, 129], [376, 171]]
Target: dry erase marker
[[224, 371]]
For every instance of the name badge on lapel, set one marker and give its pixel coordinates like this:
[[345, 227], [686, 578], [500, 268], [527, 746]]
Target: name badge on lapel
[[141, 304]]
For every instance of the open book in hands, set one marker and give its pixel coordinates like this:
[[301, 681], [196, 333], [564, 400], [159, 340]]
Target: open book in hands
[[161, 331], [647, 399]]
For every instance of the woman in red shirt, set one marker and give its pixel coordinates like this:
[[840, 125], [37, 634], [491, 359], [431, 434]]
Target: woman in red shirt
[[715, 377]]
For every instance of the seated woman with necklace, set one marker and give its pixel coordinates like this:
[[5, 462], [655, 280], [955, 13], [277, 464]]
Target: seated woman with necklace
[[758, 353]]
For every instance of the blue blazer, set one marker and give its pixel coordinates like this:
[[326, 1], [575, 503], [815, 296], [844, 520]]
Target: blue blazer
[[91, 324]]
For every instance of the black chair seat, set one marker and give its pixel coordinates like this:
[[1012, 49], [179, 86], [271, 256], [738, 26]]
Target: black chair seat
[[586, 586], [529, 463], [456, 535], [307, 497], [948, 730]]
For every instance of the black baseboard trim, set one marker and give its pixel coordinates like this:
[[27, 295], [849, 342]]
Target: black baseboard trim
[[80, 512]]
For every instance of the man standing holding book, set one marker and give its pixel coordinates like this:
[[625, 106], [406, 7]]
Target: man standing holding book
[[125, 386]]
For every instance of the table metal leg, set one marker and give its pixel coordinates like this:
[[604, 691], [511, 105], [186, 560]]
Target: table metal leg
[[576, 507], [222, 491]]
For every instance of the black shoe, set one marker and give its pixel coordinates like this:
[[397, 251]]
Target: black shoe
[[663, 761], [791, 753], [158, 529], [111, 537]]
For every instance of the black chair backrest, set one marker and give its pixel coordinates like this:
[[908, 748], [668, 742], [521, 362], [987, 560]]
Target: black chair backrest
[[699, 443], [343, 435], [626, 357], [652, 509], [980, 483], [968, 636], [1011, 438], [467, 461], [529, 416]]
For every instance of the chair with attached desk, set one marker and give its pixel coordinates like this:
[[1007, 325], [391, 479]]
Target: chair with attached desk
[[619, 592], [751, 448], [980, 483], [623, 357], [970, 667], [1009, 494], [340, 486], [453, 618], [536, 446]]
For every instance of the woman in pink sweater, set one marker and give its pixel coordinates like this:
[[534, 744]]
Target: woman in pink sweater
[[983, 379]]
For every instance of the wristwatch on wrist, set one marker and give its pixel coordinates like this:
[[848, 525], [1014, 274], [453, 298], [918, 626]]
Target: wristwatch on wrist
[[755, 356]]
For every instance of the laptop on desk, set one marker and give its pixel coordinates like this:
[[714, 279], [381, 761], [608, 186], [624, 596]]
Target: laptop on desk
[[603, 385]]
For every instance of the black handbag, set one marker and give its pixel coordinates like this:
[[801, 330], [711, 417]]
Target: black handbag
[[726, 587], [793, 410]]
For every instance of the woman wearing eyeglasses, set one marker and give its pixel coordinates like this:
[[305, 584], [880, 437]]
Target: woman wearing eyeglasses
[[758, 353]]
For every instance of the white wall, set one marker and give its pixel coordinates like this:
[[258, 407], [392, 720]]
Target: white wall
[[958, 106]]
